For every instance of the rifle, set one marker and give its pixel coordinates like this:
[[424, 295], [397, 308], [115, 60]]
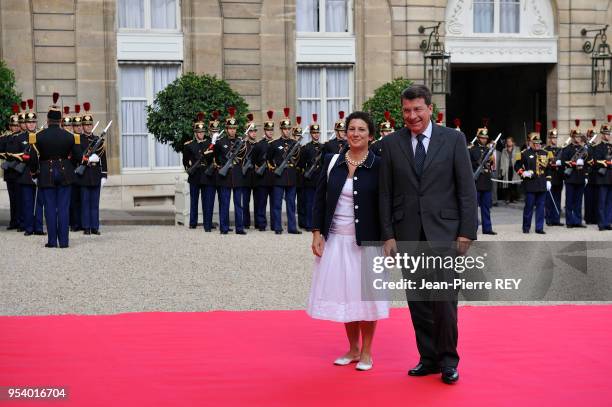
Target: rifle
[[486, 157], [91, 150], [191, 170], [211, 168], [248, 163], [233, 153], [283, 165], [308, 173]]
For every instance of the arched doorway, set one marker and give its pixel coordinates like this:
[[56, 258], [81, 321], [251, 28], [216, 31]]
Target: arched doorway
[[504, 55]]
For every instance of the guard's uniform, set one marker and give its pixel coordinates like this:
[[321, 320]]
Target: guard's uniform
[[53, 168], [90, 183], [249, 181], [484, 185], [532, 166], [385, 128], [336, 145], [310, 164], [574, 159], [591, 189], [602, 168], [553, 200], [263, 178], [284, 184], [75, 194], [9, 146]]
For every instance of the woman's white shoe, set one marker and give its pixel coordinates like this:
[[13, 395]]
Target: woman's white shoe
[[344, 360], [363, 366]]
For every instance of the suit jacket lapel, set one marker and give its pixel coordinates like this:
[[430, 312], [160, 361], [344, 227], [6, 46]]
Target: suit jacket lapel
[[405, 144], [434, 146]]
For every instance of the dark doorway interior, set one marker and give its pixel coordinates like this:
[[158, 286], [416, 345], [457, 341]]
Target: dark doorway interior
[[509, 95]]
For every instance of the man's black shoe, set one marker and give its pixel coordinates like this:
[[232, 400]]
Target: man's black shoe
[[241, 232], [19, 229], [422, 370], [75, 229], [95, 232], [609, 227], [192, 226], [49, 246], [450, 375], [223, 232], [295, 232], [525, 231], [11, 228], [207, 230], [580, 226], [40, 233], [87, 231], [540, 232], [278, 232], [261, 229], [31, 233], [489, 232]]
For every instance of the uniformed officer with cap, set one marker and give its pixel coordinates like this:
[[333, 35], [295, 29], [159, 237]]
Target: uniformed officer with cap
[[284, 185], [385, 128], [310, 164], [247, 165], [53, 170], [263, 179], [602, 167], [75, 193], [31, 203], [209, 176], [195, 153], [591, 190], [574, 159], [553, 200], [67, 120], [532, 166], [484, 185], [338, 144], [8, 147]]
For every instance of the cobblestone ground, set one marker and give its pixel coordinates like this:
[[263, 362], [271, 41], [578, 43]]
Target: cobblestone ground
[[166, 268]]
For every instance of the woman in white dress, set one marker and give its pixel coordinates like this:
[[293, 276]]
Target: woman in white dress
[[345, 218]]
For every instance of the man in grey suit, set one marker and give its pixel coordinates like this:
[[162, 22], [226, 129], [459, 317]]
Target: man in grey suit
[[427, 194]]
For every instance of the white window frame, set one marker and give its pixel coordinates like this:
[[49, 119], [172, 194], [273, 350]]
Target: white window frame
[[323, 99], [147, 21], [322, 11], [497, 20], [149, 97]]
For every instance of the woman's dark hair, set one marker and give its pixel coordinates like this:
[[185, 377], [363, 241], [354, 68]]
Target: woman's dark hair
[[365, 116], [417, 91]]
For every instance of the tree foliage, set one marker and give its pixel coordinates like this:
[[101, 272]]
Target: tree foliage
[[8, 94], [170, 117]]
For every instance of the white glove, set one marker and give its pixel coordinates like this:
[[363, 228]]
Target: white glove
[[580, 162], [94, 158], [548, 185], [102, 182], [35, 180], [528, 174], [558, 163], [586, 181]]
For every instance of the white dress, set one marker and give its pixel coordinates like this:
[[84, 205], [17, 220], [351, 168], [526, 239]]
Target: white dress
[[336, 293]]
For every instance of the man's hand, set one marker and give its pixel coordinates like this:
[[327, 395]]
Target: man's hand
[[102, 182], [463, 245], [548, 185], [558, 163], [35, 180], [318, 243], [390, 247], [528, 174], [580, 162], [94, 158]]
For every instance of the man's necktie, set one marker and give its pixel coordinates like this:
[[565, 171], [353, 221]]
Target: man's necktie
[[419, 155]]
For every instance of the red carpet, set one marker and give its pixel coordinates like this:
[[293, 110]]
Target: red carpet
[[512, 356]]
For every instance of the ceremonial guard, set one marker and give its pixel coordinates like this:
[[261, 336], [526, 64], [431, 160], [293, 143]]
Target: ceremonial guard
[[602, 167], [553, 199], [247, 166], [209, 175], [91, 181], [195, 152], [484, 185], [532, 166], [9, 147], [52, 169], [31, 202], [311, 160], [440, 119], [574, 159], [591, 190], [337, 144], [282, 158], [385, 128], [67, 120], [75, 193], [264, 177], [228, 152]]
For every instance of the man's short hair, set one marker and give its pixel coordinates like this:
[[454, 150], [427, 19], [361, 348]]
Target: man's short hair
[[416, 92]]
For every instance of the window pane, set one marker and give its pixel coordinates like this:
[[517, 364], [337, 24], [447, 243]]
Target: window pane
[[307, 15], [335, 16], [338, 82], [132, 79], [309, 83], [134, 137], [165, 156], [131, 13], [483, 16], [163, 14], [510, 13]]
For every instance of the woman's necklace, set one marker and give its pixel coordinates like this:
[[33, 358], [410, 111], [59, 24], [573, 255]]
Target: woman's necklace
[[356, 163]]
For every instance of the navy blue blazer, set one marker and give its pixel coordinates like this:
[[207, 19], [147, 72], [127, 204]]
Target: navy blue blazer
[[365, 196]]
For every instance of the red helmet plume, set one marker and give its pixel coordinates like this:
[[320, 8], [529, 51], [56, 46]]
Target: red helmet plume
[[554, 124], [315, 117], [86, 106], [577, 121], [30, 104], [298, 120], [24, 105], [341, 114], [594, 122], [200, 116], [55, 97], [15, 108], [66, 110], [485, 122], [440, 116], [215, 114], [250, 117], [231, 110], [270, 113], [77, 109], [457, 122], [538, 127], [286, 111], [609, 118], [387, 115]]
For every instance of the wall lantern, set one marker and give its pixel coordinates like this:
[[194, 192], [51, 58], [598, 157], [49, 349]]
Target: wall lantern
[[601, 60], [436, 61]]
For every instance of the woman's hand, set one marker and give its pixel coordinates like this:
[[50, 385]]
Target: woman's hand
[[318, 243]]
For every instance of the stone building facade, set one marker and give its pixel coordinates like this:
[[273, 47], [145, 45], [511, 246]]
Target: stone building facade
[[513, 61]]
